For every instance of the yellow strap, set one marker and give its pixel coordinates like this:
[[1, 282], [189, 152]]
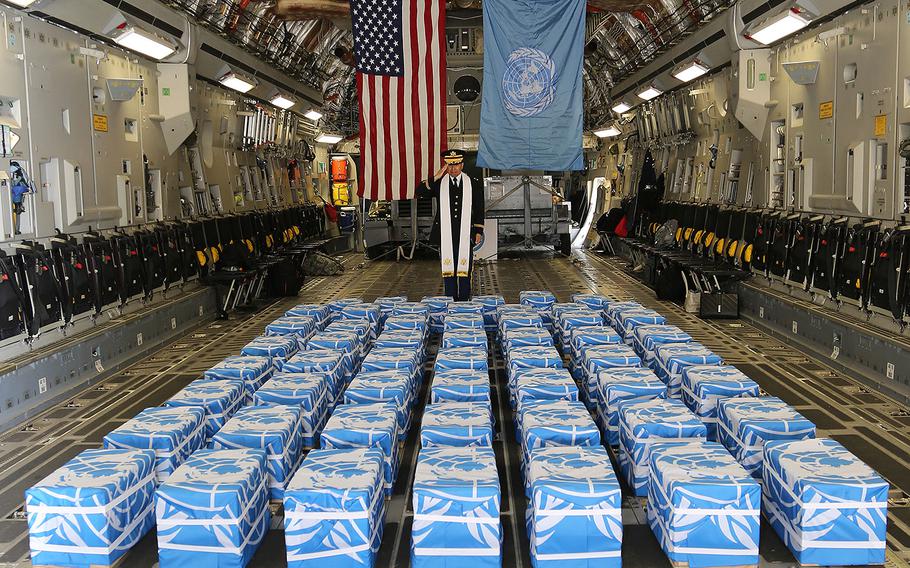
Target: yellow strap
[[296, 231], [215, 255]]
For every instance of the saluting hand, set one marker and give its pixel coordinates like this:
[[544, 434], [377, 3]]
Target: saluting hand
[[440, 172]]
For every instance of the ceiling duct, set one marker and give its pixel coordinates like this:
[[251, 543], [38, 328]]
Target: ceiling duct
[[310, 9]]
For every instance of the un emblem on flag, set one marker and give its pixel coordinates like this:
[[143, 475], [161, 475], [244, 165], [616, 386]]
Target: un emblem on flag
[[529, 82]]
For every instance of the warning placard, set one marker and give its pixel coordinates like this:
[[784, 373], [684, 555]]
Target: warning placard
[[99, 122]]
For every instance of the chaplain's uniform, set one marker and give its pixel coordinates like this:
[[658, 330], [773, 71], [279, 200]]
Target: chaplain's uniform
[[459, 218]]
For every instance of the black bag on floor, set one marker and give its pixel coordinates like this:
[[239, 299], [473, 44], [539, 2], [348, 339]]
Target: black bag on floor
[[719, 305], [285, 278]]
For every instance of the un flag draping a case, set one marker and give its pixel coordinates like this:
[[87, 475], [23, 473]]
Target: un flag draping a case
[[531, 113]]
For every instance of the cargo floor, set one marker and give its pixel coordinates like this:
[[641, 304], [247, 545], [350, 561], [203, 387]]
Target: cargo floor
[[872, 426]]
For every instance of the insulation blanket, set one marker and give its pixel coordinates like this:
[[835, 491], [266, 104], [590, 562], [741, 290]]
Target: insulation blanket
[[253, 371], [214, 510], [623, 384], [326, 362], [174, 434], [704, 386], [456, 509], [645, 423], [221, 399], [457, 424], [307, 391], [824, 503], [380, 387], [366, 426], [278, 348], [703, 507], [647, 338], [745, 424], [334, 509], [93, 509], [273, 429], [574, 515], [673, 359], [460, 386]]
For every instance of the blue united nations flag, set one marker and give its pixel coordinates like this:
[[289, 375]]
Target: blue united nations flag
[[531, 113]]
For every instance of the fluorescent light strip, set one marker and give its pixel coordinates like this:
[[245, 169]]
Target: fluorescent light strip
[[780, 26], [146, 43], [237, 83], [21, 3], [607, 132], [650, 93], [690, 71], [313, 115], [281, 101], [329, 138], [621, 108]]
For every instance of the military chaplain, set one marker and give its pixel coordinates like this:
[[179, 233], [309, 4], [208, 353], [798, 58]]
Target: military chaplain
[[459, 222]]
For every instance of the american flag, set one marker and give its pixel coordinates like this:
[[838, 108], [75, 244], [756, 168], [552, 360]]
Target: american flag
[[399, 47]]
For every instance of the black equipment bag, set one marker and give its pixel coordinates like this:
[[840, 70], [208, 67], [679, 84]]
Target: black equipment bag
[[104, 271], [801, 243], [152, 260], [826, 258], [42, 288], [78, 285], [12, 300], [285, 277], [129, 265], [778, 247], [189, 260], [763, 232], [719, 305], [887, 279], [170, 254], [856, 254]]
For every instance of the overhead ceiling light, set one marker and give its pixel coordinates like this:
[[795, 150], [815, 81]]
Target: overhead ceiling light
[[649, 93], [142, 41], [21, 3], [313, 115], [621, 108], [689, 71], [608, 132], [780, 26], [328, 138], [237, 82], [282, 101]]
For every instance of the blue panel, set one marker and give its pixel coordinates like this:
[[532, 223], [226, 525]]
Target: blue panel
[[278, 348], [672, 359]]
